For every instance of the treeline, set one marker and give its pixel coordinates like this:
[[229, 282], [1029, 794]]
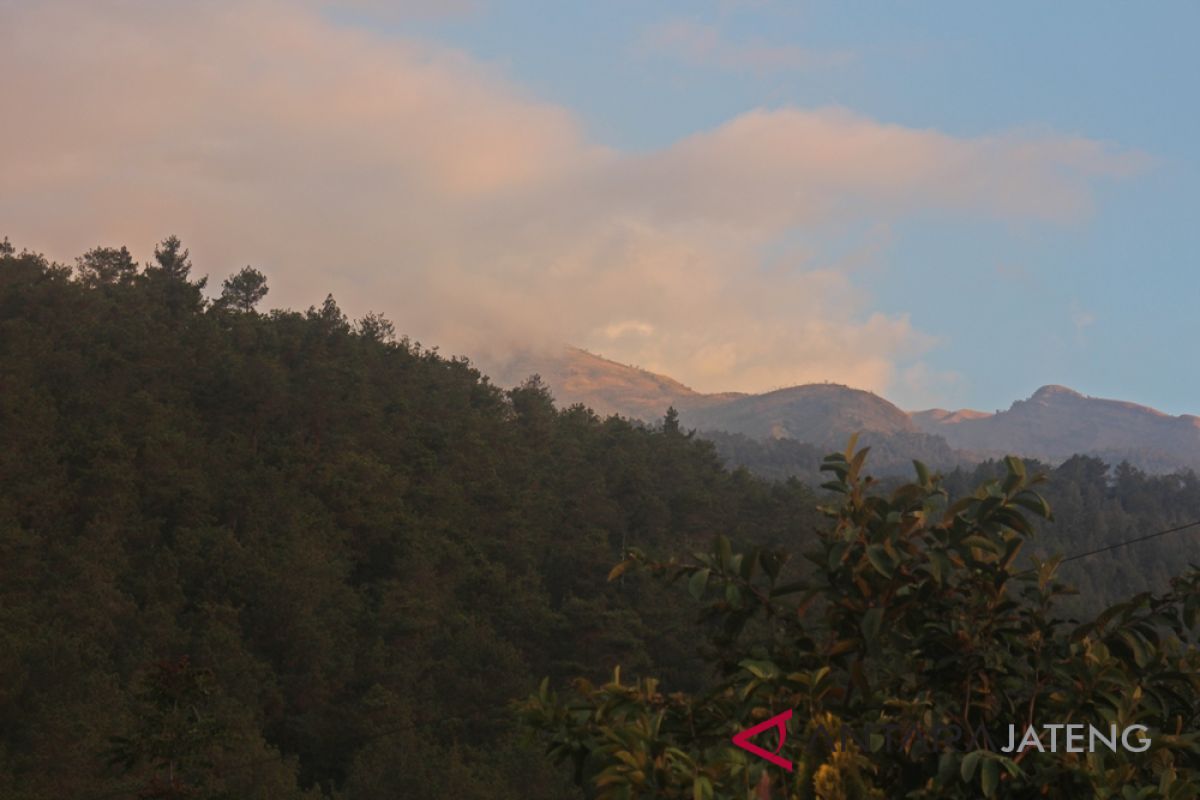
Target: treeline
[[286, 554], [892, 455], [1096, 504]]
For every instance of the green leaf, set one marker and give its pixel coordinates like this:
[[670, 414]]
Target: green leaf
[[724, 552], [1136, 647], [698, 582], [970, 760], [1032, 501], [989, 777], [877, 554], [859, 459], [764, 670], [1016, 473], [849, 453]]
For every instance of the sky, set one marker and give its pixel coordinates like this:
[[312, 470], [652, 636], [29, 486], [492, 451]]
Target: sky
[[949, 204]]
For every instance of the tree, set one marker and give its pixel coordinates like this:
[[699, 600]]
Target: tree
[[176, 734], [172, 258], [901, 657], [243, 290], [377, 328], [106, 265], [329, 316], [169, 278], [670, 424]]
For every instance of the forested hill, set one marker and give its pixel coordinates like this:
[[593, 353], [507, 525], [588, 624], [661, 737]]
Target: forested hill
[[345, 553]]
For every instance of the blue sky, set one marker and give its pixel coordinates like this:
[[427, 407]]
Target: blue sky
[[1105, 304], [947, 203]]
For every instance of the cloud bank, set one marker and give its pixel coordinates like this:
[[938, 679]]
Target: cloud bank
[[409, 178]]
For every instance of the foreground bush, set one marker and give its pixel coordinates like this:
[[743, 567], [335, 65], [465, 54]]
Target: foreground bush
[[905, 651]]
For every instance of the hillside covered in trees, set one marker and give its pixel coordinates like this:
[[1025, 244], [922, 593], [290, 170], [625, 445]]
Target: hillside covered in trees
[[286, 554], [344, 552]]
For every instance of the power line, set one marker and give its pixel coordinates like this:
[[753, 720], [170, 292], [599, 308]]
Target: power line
[[1127, 542]]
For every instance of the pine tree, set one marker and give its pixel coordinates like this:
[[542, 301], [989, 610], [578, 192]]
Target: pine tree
[[243, 290]]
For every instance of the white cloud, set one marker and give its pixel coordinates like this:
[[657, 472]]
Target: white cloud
[[408, 178]]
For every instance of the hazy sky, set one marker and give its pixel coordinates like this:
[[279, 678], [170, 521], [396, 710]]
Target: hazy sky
[[948, 203]]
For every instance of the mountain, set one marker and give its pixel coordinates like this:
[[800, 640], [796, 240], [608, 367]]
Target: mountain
[[1056, 423], [817, 413], [1053, 424], [821, 415], [577, 376]]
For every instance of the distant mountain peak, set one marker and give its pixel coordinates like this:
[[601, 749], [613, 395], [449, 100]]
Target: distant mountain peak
[[1054, 390], [1057, 422], [818, 413], [575, 375]]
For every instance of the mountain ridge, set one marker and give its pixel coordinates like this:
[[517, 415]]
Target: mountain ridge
[[1056, 422], [1052, 424], [575, 376]]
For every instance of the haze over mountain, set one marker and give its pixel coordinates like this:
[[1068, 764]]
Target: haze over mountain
[[1054, 424]]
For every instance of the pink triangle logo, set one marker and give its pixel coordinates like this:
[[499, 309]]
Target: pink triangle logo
[[742, 739]]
